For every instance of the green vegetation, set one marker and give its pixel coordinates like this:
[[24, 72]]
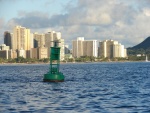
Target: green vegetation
[[137, 51], [135, 58], [102, 59], [141, 48], [93, 59], [85, 59], [81, 59], [143, 45], [24, 60]]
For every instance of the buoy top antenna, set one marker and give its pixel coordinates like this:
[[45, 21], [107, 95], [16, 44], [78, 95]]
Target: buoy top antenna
[[56, 43]]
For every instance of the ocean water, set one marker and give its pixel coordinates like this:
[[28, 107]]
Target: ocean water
[[88, 88]]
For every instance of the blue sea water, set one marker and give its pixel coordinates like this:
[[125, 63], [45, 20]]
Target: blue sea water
[[88, 88]]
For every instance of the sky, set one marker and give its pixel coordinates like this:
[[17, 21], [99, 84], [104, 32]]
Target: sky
[[127, 21]]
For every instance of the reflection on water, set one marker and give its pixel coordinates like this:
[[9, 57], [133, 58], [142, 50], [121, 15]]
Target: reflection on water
[[90, 87]]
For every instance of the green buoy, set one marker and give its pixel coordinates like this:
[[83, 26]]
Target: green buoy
[[54, 75]]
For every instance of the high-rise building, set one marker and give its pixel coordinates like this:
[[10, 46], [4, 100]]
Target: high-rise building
[[119, 50], [5, 52], [102, 49], [90, 48], [111, 49], [22, 53], [31, 40], [8, 39], [67, 51], [77, 47], [42, 51], [81, 47], [39, 52], [62, 49], [4, 47], [21, 38], [57, 35], [39, 40], [50, 37], [125, 53], [34, 53]]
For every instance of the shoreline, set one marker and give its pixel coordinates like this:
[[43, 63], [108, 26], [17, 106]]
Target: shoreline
[[69, 62]]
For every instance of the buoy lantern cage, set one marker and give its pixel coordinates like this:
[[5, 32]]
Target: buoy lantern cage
[[54, 75]]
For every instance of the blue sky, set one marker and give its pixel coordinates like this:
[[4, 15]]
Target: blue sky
[[127, 21], [11, 8]]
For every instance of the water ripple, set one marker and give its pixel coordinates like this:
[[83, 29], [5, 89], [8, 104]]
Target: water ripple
[[89, 88]]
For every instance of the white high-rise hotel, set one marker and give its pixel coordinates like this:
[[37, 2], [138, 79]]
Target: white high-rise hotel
[[111, 49], [50, 37], [107, 48], [21, 41], [81, 47], [21, 38]]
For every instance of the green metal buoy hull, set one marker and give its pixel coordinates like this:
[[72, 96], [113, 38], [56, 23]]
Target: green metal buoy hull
[[59, 77], [54, 75]]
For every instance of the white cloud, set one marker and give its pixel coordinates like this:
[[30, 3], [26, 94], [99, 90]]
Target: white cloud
[[147, 11], [122, 20]]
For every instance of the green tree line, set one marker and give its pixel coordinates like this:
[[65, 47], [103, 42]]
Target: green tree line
[[81, 59], [138, 51], [24, 60]]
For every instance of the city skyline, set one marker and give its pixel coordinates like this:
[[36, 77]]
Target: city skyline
[[122, 20], [30, 45]]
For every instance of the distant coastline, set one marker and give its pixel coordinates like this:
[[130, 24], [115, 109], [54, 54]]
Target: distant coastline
[[68, 62]]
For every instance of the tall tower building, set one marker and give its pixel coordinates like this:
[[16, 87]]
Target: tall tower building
[[21, 38], [39, 40], [125, 52], [106, 48], [67, 51], [62, 49], [5, 52], [83, 47], [117, 50], [77, 47], [90, 48], [8, 39], [31, 40], [57, 35], [4, 47], [50, 37], [111, 49], [102, 49]]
